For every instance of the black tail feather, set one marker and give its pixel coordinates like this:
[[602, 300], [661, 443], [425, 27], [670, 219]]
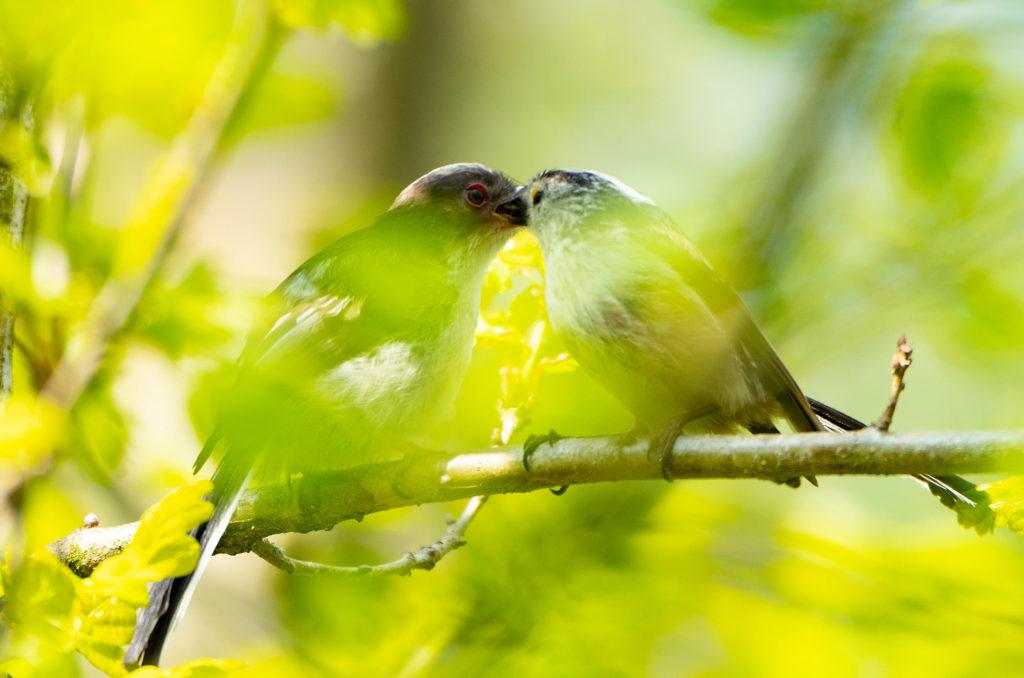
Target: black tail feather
[[833, 418], [959, 494], [169, 598], [153, 624]]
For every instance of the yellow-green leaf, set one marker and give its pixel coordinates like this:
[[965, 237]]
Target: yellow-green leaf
[[41, 600], [1008, 502], [27, 431], [104, 629], [198, 668], [161, 548], [40, 612], [365, 21]]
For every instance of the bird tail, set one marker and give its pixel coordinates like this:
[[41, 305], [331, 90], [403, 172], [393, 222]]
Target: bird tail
[[169, 598], [954, 492]]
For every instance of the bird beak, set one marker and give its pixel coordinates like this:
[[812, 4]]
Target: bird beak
[[513, 209]]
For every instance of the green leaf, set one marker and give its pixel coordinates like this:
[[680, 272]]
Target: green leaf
[[285, 99], [1008, 502], [947, 134], [162, 548], [40, 610], [41, 599], [365, 21], [96, 433], [28, 428], [989, 310], [104, 629], [150, 61], [978, 516], [761, 17], [31, 41], [199, 668], [186, 317]]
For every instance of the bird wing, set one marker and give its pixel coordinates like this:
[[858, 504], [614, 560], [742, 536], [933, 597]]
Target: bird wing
[[357, 295], [664, 239], [322, 315], [321, 307], [316, 321]]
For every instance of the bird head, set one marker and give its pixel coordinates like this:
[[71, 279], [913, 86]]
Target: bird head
[[564, 203], [463, 200]]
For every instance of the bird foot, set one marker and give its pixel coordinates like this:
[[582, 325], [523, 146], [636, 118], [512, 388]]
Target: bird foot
[[410, 452], [531, 445], [662, 444], [535, 441], [795, 482]]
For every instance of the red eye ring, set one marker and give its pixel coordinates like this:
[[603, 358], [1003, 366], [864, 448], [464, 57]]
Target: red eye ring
[[475, 195]]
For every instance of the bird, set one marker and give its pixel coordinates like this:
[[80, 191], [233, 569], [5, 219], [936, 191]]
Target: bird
[[644, 313], [357, 351]]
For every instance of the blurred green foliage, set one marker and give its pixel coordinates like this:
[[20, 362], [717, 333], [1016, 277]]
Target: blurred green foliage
[[945, 123], [763, 18], [366, 21], [881, 139], [51, 612]]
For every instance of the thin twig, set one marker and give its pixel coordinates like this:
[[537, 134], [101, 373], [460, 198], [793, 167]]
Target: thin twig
[[320, 503], [423, 559], [900, 364]]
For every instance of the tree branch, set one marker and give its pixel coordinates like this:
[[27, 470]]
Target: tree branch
[[13, 217], [85, 548], [321, 502]]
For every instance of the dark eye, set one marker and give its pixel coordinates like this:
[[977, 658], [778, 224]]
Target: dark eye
[[537, 197], [476, 195]]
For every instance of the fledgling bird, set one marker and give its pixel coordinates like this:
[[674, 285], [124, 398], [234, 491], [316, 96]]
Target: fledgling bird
[[646, 316], [364, 345]]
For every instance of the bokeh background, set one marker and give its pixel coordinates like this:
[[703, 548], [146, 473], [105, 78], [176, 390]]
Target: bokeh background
[[855, 168]]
